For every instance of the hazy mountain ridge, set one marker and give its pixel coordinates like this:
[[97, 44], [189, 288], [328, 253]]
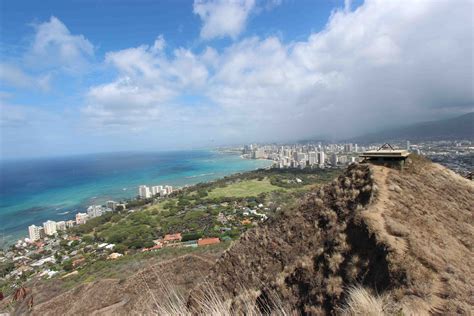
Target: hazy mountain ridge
[[457, 128]]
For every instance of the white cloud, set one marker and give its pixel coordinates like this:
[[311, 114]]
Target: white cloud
[[384, 63], [223, 18], [16, 77], [148, 80], [54, 46], [159, 44]]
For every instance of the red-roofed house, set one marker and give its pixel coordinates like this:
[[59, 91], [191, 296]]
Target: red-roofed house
[[172, 238], [155, 247], [208, 241]]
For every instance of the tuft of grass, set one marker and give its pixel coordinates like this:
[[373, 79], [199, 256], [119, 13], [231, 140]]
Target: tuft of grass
[[361, 302], [210, 301]]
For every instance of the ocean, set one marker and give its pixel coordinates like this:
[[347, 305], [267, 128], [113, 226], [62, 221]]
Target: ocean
[[33, 191]]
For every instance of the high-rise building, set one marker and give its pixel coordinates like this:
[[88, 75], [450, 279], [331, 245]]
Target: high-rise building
[[300, 157], [155, 190], [95, 211], [111, 204], [70, 223], [61, 225], [258, 153], [321, 158], [34, 232], [313, 158], [408, 145], [49, 228], [81, 218], [144, 192], [334, 159]]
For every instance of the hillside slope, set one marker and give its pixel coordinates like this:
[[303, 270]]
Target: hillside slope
[[404, 235], [137, 292]]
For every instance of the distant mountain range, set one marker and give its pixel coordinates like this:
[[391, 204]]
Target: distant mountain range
[[461, 127]]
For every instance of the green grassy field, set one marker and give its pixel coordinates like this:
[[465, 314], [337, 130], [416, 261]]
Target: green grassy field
[[244, 188]]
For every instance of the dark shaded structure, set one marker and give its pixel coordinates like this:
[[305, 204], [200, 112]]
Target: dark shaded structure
[[386, 156]]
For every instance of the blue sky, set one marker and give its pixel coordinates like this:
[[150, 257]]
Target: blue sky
[[94, 76]]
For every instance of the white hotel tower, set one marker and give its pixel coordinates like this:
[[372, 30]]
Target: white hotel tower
[[35, 232], [49, 228]]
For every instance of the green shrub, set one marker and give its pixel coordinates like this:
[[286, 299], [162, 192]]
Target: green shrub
[[191, 236]]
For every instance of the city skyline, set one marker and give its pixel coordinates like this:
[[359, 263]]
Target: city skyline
[[94, 77]]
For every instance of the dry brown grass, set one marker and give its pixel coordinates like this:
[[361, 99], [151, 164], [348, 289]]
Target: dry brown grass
[[361, 302], [213, 302], [404, 234], [431, 214]]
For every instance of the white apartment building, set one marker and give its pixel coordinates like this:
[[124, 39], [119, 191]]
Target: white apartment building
[[321, 158], [95, 211], [111, 204], [157, 189], [313, 158], [147, 192], [61, 225], [70, 223], [34, 232], [49, 227], [81, 218], [144, 192]]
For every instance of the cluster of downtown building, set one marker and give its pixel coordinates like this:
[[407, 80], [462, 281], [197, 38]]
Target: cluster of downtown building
[[456, 155], [303, 156]]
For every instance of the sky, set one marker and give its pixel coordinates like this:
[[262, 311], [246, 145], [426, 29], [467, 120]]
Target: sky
[[86, 76]]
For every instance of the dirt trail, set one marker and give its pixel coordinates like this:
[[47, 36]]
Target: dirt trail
[[375, 214], [417, 219]]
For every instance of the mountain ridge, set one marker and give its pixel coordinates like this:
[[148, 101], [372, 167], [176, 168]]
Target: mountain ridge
[[456, 128], [382, 229]]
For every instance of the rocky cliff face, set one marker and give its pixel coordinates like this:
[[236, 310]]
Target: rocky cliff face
[[405, 235]]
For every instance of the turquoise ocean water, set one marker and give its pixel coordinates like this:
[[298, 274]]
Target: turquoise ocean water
[[33, 191]]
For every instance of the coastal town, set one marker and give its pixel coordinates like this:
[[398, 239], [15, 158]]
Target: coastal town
[[160, 218], [456, 155], [50, 228]]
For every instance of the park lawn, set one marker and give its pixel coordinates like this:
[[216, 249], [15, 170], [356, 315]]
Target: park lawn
[[158, 207], [244, 189]]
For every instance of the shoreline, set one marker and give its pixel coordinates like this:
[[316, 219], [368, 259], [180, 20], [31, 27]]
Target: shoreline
[[12, 238]]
